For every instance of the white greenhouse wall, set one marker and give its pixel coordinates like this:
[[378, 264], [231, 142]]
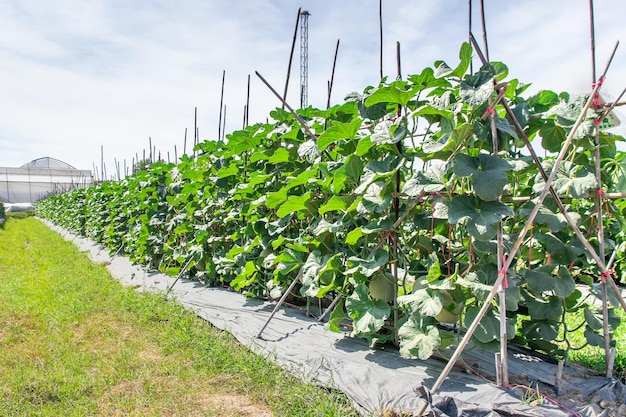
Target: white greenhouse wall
[[28, 185]]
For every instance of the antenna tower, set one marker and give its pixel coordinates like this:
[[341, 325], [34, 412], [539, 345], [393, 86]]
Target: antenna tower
[[304, 59]]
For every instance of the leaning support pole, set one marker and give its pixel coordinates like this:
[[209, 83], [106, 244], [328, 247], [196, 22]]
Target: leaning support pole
[[219, 123], [180, 274], [332, 76], [293, 112], [330, 307], [280, 302]]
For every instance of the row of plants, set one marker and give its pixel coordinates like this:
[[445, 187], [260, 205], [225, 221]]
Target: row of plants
[[392, 201], [2, 214]]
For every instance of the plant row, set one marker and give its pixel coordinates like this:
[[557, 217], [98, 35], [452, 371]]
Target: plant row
[[394, 202]]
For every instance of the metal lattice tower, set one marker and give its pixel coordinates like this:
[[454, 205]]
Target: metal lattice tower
[[304, 59]]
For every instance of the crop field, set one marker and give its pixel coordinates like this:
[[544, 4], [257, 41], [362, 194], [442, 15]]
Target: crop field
[[416, 208], [404, 203]]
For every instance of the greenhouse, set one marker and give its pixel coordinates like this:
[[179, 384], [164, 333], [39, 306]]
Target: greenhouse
[[39, 179]]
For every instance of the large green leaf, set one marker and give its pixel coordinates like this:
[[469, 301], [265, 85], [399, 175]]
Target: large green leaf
[[489, 327], [559, 251], [423, 302], [571, 180], [276, 198], [353, 167], [543, 279], [545, 330], [550, 308], [549, 214], [228, 171], [398, 92], [338, 131], [336, 317], [477, 88], [294, 203], [376, 199], [369, 266], [386, 132], [552, 136], [417, 340], [354, 235], [488, 172], [429, 181], [465, 54], [280, 155], [481, 217], [319, 273], [368, 315], [335, 203]]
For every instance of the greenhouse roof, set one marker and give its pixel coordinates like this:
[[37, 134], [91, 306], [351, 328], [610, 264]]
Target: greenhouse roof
[[47, 162]]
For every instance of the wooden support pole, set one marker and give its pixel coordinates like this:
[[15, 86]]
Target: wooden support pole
[[332, 76], [484, 26], [380, 25], [219, 123], [293, 112], [247, 112], [280, 302], [293, 47]]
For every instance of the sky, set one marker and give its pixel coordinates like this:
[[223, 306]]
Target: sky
[[78, 77]]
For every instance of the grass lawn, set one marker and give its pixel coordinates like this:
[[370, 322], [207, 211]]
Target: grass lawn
[[74, 342]]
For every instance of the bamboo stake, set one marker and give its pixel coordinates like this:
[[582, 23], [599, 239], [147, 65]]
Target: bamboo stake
[[482, 19], [330, 307], [332, 76], [396, 204], [599, 209], [180, 274], [281, 301], [195, 130], [185, 143], [223, 127], [502, 359], [219, 124], [469, 31], [593, 41], [380, 21], [285, 104], [293, 47], [247, 113]]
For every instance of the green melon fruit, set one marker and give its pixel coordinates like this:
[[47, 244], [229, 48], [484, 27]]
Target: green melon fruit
[[451, 311], [382, 286]]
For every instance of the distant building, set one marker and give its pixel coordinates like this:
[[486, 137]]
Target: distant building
[[40, 178]]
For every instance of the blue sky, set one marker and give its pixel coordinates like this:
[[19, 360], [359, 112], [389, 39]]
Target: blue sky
[[75, 75]]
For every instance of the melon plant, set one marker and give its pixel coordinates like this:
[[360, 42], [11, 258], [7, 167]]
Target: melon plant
[[391, 201]]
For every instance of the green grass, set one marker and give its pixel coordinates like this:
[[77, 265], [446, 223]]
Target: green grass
[[593, 357], [74, 342]]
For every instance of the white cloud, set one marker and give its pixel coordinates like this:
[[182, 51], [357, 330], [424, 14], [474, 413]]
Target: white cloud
[[76, 75]]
